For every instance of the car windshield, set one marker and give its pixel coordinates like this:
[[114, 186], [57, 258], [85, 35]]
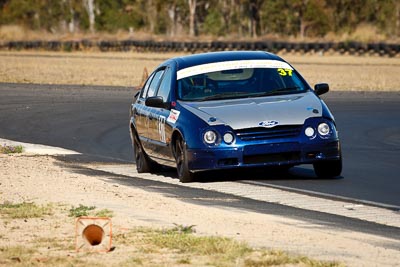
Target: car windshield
[[239, 83]]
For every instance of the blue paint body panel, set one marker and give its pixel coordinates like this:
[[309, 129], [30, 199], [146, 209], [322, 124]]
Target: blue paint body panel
[[267, 130]]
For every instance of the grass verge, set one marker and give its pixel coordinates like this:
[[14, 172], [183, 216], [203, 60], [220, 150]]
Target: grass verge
[[83, 210], [5, 149], [49, 243], [180, 248], [25, 210], [177, 246]]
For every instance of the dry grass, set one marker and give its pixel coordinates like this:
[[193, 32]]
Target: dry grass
[[12, 32], [364, 32], [5, 149], [191, 250], [20, 33], [76, 68], [24, 210], [49, 241], [350, 73]]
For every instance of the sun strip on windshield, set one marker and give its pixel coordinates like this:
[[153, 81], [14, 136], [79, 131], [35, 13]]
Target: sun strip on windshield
[[231, 65]]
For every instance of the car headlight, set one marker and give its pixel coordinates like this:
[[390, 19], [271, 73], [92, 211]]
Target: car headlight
[[210, 137], [323, 129], [228, 138], [309, 131]]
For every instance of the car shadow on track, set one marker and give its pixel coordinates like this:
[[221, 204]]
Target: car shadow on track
[[267, 173], [297, 173]]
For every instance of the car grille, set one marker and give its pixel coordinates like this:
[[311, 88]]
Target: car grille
[[261, 133]]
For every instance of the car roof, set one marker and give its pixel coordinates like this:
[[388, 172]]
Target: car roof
[[212, 57]]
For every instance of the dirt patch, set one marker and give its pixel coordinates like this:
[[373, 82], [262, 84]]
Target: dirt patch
[[42, 180]]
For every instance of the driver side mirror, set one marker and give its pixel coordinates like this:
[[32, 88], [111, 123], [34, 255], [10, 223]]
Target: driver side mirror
[[155, 102], [321, 88]]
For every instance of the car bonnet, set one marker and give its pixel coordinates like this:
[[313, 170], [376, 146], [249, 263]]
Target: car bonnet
[[258, 112]]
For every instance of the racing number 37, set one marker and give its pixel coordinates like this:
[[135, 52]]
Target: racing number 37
[[284, 72]]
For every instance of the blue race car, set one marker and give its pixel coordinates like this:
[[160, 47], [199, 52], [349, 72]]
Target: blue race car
[[228, 110]]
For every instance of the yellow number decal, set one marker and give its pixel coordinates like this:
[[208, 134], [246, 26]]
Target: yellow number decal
[[284, 72]]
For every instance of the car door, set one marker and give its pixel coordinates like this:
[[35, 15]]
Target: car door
[[160, 130], [142, 113], [138, 110]]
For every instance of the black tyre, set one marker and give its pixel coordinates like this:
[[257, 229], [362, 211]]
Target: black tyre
[[328, 168], [143, 162], [185, 176]]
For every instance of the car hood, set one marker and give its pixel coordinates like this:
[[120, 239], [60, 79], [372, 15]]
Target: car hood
[[255, 112]]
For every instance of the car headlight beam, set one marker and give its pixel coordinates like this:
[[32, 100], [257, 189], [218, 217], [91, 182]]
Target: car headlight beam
[[323, 129], [210, 137]]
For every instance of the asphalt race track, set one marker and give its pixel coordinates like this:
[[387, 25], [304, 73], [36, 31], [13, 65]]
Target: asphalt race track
[[93, 120]]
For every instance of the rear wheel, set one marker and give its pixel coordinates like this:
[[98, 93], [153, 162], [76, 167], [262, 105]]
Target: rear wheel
[[185, 176], [328, 168], [143, 162]]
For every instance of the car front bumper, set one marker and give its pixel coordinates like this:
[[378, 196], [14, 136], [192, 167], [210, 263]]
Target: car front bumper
[[275, 154]]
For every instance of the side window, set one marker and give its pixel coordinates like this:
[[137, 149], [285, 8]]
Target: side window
[[146, 86], [154, 83], [165, 85]]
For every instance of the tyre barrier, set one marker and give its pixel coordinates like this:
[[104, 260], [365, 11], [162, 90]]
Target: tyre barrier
[[351, 48]]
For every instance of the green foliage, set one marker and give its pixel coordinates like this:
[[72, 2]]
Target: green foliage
[[104, 213], [33, 14], [117, 15], [311, 18], [220, 250], [213, 23], [200, 245], [348, 14], [11, 149], [286, 17], [278, 17], [317, 18], [81, 210], [183, 229]]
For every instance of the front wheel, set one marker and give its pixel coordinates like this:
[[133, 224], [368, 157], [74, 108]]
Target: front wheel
[[328, 168], [185, 176]]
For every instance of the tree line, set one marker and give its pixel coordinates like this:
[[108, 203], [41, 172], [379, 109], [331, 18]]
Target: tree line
[[228, 18]]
